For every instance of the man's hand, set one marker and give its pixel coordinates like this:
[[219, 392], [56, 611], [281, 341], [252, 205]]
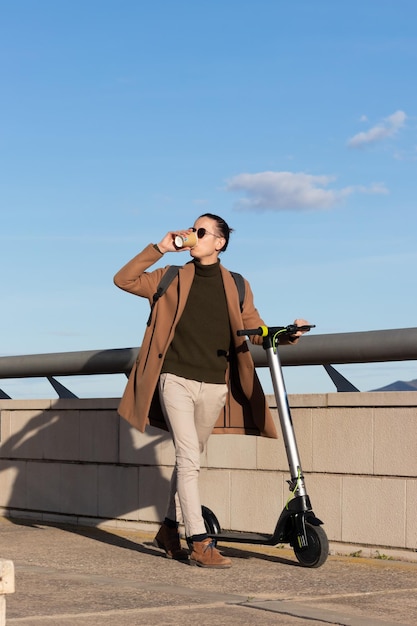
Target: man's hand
[[167, 243], [296, 336]]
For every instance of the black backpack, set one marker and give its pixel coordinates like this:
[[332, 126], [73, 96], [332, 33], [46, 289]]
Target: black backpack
[[169, 276]]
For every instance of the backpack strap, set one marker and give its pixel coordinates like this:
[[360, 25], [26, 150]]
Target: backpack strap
[[164, 283], [169, 276], [240, 285]]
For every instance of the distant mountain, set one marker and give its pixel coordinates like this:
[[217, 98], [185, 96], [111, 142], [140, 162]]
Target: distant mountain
[[400, 385]]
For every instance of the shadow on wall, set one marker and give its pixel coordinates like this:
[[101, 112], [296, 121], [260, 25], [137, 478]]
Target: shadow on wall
[[85, 464]]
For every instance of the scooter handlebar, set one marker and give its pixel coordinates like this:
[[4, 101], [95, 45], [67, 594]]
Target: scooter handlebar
[[250, 331], [264, 331]]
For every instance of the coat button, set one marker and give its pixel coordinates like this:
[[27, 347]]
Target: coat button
[[159, 356]]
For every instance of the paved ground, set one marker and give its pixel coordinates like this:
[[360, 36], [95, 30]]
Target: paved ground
[[95, 577]]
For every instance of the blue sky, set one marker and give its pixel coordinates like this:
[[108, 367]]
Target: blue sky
[[295, 121]]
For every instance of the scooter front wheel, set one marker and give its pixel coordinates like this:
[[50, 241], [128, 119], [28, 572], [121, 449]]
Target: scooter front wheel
[[317, 549]]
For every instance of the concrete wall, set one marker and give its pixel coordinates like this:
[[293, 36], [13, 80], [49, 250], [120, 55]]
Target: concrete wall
[[77, 461]]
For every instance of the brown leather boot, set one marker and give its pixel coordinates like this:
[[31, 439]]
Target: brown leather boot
[[205, 554], [168, 539]]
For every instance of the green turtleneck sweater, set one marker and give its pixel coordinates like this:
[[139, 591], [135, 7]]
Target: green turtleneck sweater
[[202, 337]]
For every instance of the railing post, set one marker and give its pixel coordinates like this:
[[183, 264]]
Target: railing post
[[6, 586]]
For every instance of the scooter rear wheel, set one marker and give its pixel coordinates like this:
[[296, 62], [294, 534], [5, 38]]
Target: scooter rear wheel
[[317, 550], [210, 522]]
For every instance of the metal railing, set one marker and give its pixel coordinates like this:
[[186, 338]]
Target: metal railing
[[327, 350]]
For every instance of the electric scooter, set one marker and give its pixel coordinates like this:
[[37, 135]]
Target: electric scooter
[[297, 524]]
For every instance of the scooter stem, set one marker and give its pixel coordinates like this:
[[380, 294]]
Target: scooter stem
[[297, 479]]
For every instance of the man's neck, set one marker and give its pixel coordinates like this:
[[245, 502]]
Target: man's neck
[[208, 260]]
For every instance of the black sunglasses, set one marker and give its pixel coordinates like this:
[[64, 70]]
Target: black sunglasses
[[203, 231]]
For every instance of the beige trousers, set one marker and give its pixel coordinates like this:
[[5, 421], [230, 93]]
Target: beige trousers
[[191, 409]]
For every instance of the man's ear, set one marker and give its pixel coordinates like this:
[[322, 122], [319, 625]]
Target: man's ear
[[220, 243]]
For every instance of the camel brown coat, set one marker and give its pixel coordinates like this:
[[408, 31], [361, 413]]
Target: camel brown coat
[[246, 411]]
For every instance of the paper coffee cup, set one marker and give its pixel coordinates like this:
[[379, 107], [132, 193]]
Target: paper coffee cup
[[188, 241]]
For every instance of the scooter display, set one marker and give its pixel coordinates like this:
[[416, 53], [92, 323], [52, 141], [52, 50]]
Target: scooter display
[[297, 525]]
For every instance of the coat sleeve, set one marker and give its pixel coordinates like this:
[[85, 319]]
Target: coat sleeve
[[133, 276]]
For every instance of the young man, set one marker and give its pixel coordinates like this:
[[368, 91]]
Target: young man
[[194, 374]]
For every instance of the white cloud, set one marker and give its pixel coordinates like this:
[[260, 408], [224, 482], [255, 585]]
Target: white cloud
[[387, 128], [280, 191], [373, 188]]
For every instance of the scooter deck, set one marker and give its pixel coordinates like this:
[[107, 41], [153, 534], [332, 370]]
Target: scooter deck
[[236, 537]]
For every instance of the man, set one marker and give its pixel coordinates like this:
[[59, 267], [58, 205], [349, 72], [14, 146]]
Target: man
[[194, 374]]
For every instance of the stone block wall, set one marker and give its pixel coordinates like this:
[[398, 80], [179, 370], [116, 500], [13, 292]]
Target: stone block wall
[[77, 461]]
